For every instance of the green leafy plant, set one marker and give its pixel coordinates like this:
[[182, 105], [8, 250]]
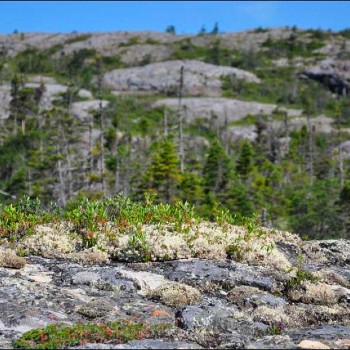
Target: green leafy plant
[[301, 275], [276, 328], [60, 336], [19, 219], [222, 216]]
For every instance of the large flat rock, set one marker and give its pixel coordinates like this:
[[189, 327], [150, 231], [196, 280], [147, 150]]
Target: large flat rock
[[199, 77], [223, 109]]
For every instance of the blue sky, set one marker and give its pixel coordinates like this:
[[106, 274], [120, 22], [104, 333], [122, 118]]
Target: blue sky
[[186, 16]]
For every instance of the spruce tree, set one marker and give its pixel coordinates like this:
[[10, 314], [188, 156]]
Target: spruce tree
[[245, 160], [218, 170], [191, 188], [163, 175]]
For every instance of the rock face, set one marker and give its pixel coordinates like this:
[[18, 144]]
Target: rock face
[[220, 112], [199, 78], [53, 92], [343, 150], [210, 303], [153, 43], [335, 74], [221, 109]]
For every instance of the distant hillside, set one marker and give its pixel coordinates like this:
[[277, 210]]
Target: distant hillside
[[258, 121]]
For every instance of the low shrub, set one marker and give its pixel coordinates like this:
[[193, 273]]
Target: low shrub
[[59, 336]]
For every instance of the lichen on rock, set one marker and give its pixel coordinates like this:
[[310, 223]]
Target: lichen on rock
[[96, 308], [176, 294], [9, 258], [50, 241], [315, 293]]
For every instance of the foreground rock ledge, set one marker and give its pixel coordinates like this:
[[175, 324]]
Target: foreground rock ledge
[[221, 303]]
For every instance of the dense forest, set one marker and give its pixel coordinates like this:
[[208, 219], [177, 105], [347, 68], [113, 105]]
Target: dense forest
[[295, 178]]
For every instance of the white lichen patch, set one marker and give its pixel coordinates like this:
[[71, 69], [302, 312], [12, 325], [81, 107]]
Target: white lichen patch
[[313, 293], [331, 277], [239, 294], [176, 294], [304, 315], [50, 241], [270, 316], [151, 242], [91, 256], [9, 258], [203, 240]]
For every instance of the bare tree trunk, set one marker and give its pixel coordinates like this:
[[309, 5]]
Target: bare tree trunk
[[165, 122], [70, 175], [41, 146], [310, 150], [60, 176], [179, 113], [341, 168], [90, 157], [225, 138], [286, 124], [117, 169], [29, 183], [66, 150], [340, 155], [102, 165], [8, 194], [117, 178], [23, 126], [102, 158]]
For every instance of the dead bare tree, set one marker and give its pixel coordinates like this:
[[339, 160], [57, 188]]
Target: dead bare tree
[[310, 160], [102, 124], [340, 150], [180, 119], [165, 122]]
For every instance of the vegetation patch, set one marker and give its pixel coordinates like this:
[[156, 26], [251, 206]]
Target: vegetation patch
[[77, 38], [176, 294], [91, 231], [60, 336], [293, 46], [9, 258]]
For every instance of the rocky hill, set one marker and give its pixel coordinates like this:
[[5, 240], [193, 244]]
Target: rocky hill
[[83, 114], [252, 128]]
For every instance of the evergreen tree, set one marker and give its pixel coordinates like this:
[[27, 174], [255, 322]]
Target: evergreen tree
[[202, 30], [218, 171], [163, 175], [239, 201], [191, 188], [343, 210], [170, 29], [214, 54], [245, 160], [215, 29]]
